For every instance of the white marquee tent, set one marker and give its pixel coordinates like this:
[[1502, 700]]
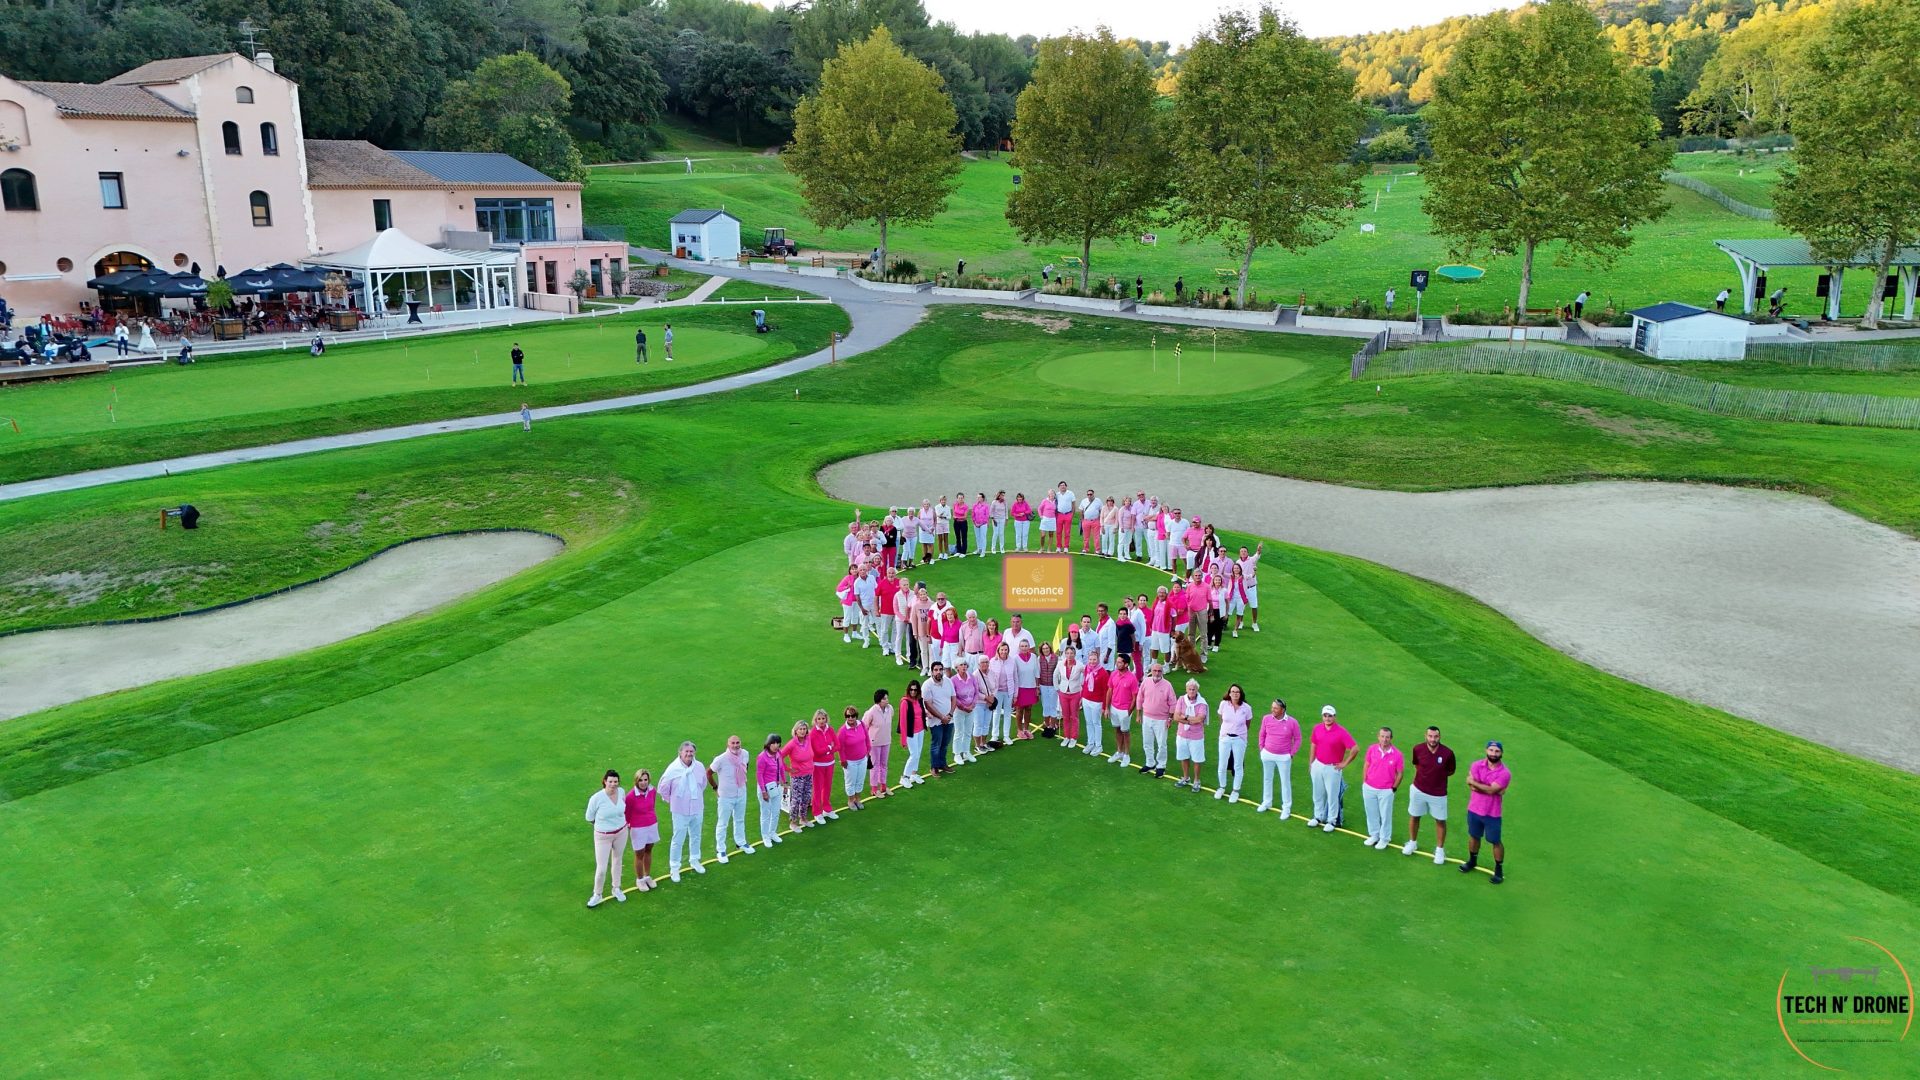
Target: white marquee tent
[[393, 263]]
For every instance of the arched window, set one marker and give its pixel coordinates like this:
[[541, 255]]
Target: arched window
[[262, 208], [17, 190], [230, 134], [269, 140], [244, 95]]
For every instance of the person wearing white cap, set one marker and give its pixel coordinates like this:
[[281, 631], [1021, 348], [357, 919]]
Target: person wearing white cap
[[1333, 751]]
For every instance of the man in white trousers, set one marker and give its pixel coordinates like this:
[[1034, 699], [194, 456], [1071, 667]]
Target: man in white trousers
[[1156, 712], [684, 785], [866, 590], [1333, 750], [1379, 781], [1279, 741], [728, 775]]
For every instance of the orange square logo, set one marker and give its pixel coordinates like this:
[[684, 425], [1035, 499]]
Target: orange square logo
[[1036, 583]]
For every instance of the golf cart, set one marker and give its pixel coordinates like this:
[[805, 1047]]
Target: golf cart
[[775, 242]]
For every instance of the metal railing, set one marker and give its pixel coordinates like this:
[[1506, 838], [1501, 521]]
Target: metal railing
[[1636, 380], [1726, 201], [1375, 345]]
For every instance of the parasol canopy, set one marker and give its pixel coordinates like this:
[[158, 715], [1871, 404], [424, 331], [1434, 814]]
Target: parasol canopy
[[1460, 274]]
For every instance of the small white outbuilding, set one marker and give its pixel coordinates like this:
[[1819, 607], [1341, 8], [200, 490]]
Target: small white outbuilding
[[705, 235], [1674, 331]]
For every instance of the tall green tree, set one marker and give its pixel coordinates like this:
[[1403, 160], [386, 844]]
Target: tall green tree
[[614, 79], [1092, 158], [1264, 124], [1542, 133], [1852, 190], [511, 104], [875, 142], [732, 79]]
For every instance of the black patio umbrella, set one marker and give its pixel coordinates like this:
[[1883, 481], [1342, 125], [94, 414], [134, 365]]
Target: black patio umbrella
[[166, 286], [254, 283], [286, 278], [116, 281]]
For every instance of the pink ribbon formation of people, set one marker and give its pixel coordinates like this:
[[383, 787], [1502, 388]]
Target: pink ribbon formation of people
[[979, 684]]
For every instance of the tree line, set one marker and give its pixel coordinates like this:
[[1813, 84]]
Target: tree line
[[1542, 133]]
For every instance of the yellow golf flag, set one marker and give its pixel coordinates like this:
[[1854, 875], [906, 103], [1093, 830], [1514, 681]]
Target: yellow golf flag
[[1059, 633]]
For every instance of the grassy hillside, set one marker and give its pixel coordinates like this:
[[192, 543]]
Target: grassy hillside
[[1671, 259]]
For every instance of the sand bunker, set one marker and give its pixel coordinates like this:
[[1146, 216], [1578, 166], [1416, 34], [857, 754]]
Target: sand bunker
[[53, 667], [1772, 606]]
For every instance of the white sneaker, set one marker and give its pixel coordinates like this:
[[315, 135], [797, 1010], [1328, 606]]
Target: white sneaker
[[866, 644], [699, 868], [1370, 841], [1218, 795], [1383, 843], [1328, 827], [767, 843], [720, 858], [673, 875], [846, 639], [899, 661], [1236, 633], [778, 839], [1313, 823], [595, 901], [1233, 798], [1115, 758], [818, 820], [618, 895], [831, 816], [1439, 856], [1263, 808], [1409, 847], [1256, 628]]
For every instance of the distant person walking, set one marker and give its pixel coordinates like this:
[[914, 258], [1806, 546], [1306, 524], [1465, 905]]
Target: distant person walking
[[1046, 274], [960, 268], [186, 347], [120, 341], [666, 339], [1720, 301], [526, 417], [640, 345], [1179, 287], [519, 365], [1580, 303], [689, 166], [1390, 299], [1489, 779], [1778, 301], [1139, 288]]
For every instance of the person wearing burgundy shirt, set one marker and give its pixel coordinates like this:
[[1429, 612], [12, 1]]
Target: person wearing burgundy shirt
[[1432, 764]]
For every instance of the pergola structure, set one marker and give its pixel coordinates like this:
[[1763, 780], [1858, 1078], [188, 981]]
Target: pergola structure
[[393, 264], [1755, 257]]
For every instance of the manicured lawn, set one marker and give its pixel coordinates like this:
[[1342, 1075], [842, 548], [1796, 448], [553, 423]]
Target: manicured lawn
[[1672, 259], [163, 410], [1749, 179], [369, 859]]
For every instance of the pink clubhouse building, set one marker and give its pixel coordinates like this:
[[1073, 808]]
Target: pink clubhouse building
[[201, 159]]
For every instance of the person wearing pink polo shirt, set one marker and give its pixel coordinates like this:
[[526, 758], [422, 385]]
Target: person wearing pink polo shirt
[[1160, 627], [1123, 692], [962, 524], [1379, 781], [1156, 713], [1026, 690], [1333, 750], [982, 513], [1190, 735], [853, 744], [684, 784], [1195, 536], [1049, 520], [1022, 514], [850, 617], [1235, 716], [1279, 741], [767, 774], [728, 775], [1488, 780], [973, 640], [825, 747]]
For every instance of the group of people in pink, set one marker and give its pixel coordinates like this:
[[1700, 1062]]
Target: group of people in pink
[[796, 774]]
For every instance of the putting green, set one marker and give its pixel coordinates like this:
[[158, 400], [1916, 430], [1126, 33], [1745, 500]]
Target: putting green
[[1153, 372]]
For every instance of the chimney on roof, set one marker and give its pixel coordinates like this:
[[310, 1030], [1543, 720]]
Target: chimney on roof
[[264, 59]]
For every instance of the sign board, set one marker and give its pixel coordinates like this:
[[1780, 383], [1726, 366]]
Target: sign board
[[1036, 583], [1149, 238], [1419, 280]]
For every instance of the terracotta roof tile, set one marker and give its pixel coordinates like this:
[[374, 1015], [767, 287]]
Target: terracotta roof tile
[[109, 102]]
